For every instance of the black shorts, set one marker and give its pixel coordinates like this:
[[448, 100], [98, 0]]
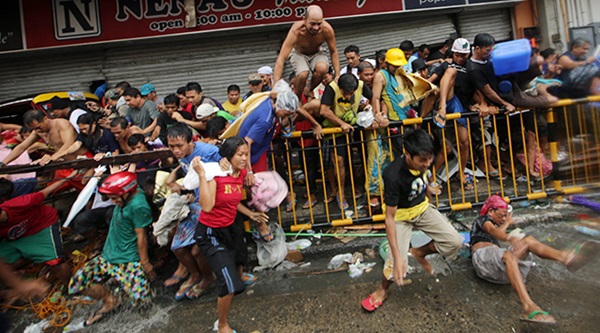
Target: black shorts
[[218, 245]]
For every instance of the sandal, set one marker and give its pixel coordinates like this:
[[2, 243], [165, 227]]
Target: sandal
[[251, 279], [308, 204], [439, 124], [343, 205], [369, 303], [582, 254], [195, 291], [468, 182], [289, 207], [175, 280], [184, 288]]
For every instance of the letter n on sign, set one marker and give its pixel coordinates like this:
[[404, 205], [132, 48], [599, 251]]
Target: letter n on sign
[[76, 18]]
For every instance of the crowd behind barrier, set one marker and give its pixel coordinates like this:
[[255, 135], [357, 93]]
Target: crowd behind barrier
[[569, 161]]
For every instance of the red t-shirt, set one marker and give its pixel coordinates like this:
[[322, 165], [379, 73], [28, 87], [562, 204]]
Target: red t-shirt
[[26, 216], [228, 196]]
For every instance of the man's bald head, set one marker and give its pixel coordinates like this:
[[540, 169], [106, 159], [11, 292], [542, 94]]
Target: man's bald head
[[313, 19], [314, 12]]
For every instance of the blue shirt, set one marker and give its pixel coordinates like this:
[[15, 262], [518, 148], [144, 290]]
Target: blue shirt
[[259, 126]]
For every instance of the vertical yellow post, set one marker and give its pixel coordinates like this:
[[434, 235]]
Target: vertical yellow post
[[552, 142]]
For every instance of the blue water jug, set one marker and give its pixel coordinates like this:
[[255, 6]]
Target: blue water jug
[[511, 57]]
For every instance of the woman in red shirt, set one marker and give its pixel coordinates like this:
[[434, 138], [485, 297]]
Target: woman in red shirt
[[217, 236]]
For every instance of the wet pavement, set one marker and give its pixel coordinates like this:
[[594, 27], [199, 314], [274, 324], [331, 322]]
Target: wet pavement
[[300, 300]]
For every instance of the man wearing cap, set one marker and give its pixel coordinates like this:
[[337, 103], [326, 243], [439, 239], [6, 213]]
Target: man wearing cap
[[303, 48], [61, 108], [149, 93], [266, 73], [456, 96], [142, 112], [255, 83]]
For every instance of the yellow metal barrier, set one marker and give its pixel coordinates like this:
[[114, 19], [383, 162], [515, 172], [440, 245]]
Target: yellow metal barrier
[[507, 154]]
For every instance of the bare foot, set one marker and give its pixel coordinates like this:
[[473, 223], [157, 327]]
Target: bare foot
[[420, 258], [110, 303]]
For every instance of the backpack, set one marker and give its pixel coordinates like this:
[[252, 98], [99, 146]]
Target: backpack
[[268, 191]]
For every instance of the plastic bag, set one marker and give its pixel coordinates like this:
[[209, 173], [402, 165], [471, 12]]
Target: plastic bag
[[268, 191], [337, 261], [366, 117], [299, 244], [272, 253], [211, 170]]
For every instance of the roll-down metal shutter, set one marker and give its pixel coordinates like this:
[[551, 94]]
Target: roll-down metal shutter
[[29, 75], [495, 22]]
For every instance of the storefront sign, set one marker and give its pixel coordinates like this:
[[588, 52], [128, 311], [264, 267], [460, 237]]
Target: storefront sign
[[55, 23], [10, 26]]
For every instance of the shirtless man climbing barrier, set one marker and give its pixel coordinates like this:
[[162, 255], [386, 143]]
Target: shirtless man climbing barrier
[[303, 48]]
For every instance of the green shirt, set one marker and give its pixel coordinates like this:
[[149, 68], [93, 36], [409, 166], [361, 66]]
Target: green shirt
[[121, 243]]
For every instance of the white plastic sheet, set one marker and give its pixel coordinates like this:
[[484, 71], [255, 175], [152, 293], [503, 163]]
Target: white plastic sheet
[[84, 196]]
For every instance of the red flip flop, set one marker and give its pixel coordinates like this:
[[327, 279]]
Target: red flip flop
[[369, 304]]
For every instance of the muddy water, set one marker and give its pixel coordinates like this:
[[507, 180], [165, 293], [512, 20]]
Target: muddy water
[[291, 301]]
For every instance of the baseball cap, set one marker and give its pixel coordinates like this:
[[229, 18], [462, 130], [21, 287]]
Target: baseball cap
[[56, 103], [254, 78], [205, 110], [418, 64], [146, 89], [461, 45], [112, 94], [265, 70]]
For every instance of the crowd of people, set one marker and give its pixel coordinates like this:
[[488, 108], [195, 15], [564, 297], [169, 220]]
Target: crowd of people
[[203, 227]]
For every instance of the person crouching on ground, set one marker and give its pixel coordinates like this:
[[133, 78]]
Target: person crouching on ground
[[503, 266], [219, 239], [125, 254], [407, 207]]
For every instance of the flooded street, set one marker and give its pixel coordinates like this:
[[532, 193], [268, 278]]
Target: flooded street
[[301, 300]]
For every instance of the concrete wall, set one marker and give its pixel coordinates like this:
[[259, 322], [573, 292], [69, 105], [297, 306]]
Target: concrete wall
[[551, 19]]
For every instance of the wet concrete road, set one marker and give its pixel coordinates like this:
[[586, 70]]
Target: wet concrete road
[[455, 302]]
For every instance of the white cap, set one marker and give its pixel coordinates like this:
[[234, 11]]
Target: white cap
[[265, 70], [205, 110]]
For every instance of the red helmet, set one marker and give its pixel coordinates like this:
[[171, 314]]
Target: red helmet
[[119, 183]]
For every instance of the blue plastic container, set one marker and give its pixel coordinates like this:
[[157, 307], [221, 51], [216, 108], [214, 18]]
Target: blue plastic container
[[511, 57]]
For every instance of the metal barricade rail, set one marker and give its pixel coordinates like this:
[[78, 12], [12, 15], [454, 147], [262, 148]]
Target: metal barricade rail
[[507, 154]]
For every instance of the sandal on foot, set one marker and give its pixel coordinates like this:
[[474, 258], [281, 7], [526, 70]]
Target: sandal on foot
[[289, 207], [183, 289], [175, 280], [195, 291], [343, 205], [251, 279], [330, 198], [468, 182], [583, 253], [532, 315], [439, 116], [369, 303], [308, 204], [258, 236]]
